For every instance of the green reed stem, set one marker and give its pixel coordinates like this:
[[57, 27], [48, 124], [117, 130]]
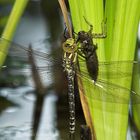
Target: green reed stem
[[11, 25]]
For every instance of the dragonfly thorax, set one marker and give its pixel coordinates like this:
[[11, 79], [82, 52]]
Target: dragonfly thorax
[[70, 54]]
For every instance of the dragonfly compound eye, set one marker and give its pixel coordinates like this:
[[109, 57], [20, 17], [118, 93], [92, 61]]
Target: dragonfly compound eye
[[69, 45]]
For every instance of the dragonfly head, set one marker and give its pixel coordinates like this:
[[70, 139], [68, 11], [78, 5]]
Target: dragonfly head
[[69, 46]]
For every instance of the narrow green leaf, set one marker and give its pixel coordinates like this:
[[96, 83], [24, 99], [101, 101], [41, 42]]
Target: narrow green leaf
[[110, 119], [11, 25]]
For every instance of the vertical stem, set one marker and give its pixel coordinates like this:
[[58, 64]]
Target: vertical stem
[[65, 15], [11, 25]]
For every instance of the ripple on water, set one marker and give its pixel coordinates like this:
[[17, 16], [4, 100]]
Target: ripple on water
[[29, 96], [24, 132], [12, 109]]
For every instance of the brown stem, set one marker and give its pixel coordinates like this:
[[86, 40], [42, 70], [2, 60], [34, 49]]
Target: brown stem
[[65, 15]]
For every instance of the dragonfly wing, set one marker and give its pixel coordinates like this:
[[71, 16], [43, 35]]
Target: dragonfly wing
[[18, 61], [115, 69], [20, 54], [17, 50], [108, 92]]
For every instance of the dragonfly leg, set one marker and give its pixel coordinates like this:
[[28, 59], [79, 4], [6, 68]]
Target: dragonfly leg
[[104, 31], [80, 52], [98, 35], [91, 26]]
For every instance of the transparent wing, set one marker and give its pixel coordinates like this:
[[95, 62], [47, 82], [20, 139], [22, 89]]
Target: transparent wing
[[114, 69], [117, 69], [18, 63], [39, 50], [20, 53], [107, 91]]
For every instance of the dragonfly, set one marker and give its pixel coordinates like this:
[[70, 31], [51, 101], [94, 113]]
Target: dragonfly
[[69, 63], [107, 89]]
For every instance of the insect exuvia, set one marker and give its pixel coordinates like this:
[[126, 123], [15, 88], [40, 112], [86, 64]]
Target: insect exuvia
[[88, 49]]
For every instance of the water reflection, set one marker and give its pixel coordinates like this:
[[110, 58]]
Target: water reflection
[[30, 96], [17, 124]]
